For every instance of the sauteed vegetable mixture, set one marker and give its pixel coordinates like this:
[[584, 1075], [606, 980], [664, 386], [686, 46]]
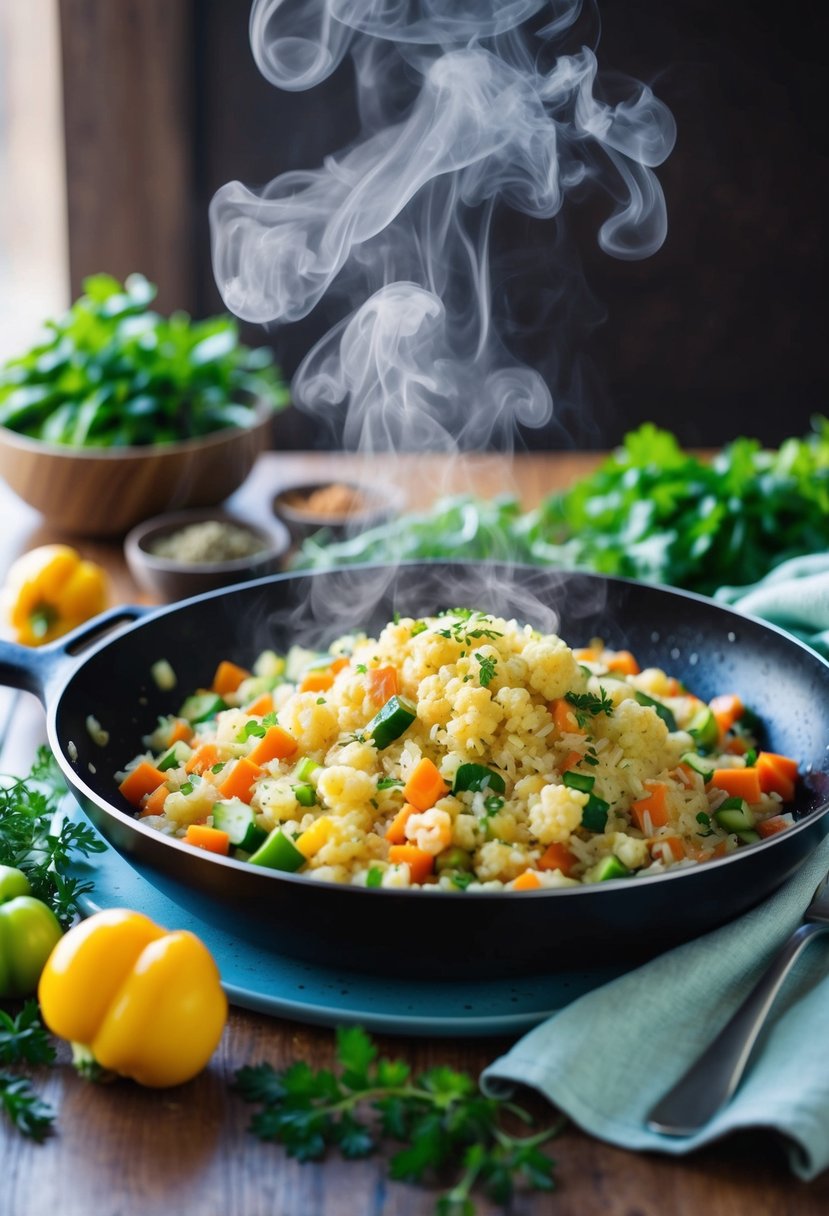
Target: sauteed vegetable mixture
[[461, 751]]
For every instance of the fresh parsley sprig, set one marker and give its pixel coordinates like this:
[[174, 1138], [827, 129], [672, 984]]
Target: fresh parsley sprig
[[589, 705], [23, 1040], [35, 840], [445, 1124]]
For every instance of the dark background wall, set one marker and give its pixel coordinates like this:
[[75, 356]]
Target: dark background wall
[[723, 332]]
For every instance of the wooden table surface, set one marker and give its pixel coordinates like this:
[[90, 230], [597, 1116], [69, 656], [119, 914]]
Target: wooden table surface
[[120, 1150]]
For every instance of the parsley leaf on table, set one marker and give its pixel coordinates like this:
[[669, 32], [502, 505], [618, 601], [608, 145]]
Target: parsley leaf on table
[[23, 1040], [446, 1126]]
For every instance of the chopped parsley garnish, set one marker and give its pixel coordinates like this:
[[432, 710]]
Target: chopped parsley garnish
[[217, 768], [588, 704], [387, 783], [362, 669], [419, 627], [468, 627], [487, 672], [251, 728], [270, 719]]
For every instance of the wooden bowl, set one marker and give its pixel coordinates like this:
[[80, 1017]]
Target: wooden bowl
[[106, 491]]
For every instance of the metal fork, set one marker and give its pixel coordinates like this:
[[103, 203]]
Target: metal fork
[[713, 1078]]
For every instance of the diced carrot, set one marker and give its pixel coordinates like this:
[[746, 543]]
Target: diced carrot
[[228, 677], [143, 779], [558, 857], [275, 744], [571, 760], [623, 662], [770, 827], [382, 684], [670, 847], [735, 745], [565, 718], [396, 831], [315, 681], [239, 781], [261, 706], [528, 881], [420, 864], [778, 774], [727, 709], [425, 785], [673, 687], [203, 758], [738, 782], [153, 804], [212, 839], [651, 812], [339, 664], [180, 732]]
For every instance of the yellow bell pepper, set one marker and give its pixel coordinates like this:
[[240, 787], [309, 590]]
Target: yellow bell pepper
[[50, 590], [138, 1000]]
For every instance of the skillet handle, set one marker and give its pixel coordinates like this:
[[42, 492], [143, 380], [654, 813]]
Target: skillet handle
[[34, 669]]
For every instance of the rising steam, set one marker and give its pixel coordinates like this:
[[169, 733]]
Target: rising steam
[[462, 111]]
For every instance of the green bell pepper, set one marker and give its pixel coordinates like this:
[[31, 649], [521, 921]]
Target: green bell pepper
[[29, 931]]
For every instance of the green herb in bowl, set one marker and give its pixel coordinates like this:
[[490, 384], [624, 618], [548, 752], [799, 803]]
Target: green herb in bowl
[[114, 373]]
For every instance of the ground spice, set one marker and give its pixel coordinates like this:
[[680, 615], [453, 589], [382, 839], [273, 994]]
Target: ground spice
[[208, 542]]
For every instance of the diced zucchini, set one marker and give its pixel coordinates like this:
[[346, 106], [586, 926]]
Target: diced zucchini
[[305, 794], [735, 818], [699, 764], [307, 769], [278, 853], [374, 878], [178, 754], [594, 815], [478, 777], [237, 819], [703, 727], [659, 709], [453, 858], [389, 723], [579, 781], [607, 868], [202, 706]]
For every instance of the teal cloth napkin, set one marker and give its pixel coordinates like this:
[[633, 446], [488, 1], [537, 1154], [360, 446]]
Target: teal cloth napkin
[[795, 596], [607, 1058]]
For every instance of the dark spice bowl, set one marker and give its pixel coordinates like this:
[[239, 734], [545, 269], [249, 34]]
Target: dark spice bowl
[[343, 508], [169, 578]]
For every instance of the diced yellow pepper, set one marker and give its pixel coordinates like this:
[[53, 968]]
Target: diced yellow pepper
[[312, 840]]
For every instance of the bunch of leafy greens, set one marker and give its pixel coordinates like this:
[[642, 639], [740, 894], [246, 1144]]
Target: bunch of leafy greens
[[447, 1127], [111, 373], [37, 839], [650, 511]]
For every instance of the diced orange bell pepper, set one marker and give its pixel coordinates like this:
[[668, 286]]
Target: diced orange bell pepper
[[651, 812], [425, 785], [275, 744], [777, 774], [228, 677], [738, 782], [203, 758], [140, 782], [214, 840], [528, 881], [315, 681], [420, 864], [396, 831], [558, 857], [565, 718], [382, 684], [240, 780]]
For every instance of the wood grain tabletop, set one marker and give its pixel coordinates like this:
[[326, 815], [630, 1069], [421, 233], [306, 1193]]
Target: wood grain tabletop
[[119, 1150]]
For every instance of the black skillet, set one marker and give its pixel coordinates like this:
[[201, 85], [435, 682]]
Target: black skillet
[[710, 648]]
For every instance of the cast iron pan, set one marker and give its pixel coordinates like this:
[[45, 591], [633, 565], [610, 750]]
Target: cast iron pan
[[710, 648]]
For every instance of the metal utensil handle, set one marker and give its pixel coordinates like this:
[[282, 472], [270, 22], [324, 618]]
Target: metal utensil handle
[[713, 1078]]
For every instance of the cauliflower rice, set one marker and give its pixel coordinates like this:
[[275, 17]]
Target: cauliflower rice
[[463, 752]]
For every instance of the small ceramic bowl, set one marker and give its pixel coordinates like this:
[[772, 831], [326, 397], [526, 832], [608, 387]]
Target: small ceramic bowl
[[342, 507], [193, 569]]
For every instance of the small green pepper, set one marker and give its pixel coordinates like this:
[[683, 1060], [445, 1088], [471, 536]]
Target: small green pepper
[[29, 931]]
